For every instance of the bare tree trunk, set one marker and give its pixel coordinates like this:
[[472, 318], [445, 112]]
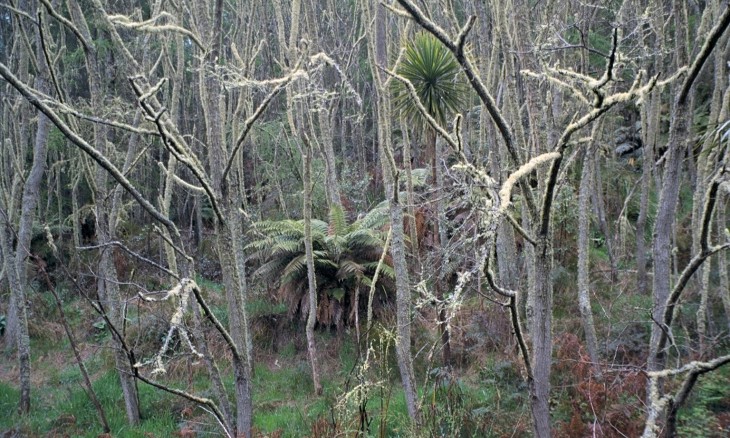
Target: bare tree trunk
[[325, 135], [722, 259], [22, 340], [212, 100], [584, 297], [108, 285], [412, 226], [600, 209], [440, 240], [15, 162], [377, 53], [707, 162], [31, 195], [649, 139], [542, 337], [669, 194], [650, 128], [312, 281]]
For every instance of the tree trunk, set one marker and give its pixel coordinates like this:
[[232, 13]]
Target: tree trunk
[[22, 340], [542, 338], [649, 134], [600, 209], [707, 161], [226, 191], [584, 296], [441, 255], [325, 135], [31, 194], [378, 55], [412, 227], [722, 259], [669, 195], [312, 281], [108, 285]]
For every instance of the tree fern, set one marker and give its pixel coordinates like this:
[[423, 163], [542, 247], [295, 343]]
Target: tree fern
[[345, 256]]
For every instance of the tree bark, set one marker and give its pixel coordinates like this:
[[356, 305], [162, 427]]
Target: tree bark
[[312, 281], [541, 335], [107, 283], [584, 294], [31, 195], [378, 55], [22, 340], [668, 198], [707, 162]]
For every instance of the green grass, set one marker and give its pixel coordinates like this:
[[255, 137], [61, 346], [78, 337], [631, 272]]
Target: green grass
[[65, 408], [487, 403]]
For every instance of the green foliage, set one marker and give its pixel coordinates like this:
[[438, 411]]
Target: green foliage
[[284, 399], [714, 137], [63, 408], [345, 258], [710, 397], [434, 73]]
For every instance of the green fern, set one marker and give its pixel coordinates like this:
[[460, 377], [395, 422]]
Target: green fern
[[345, 258]]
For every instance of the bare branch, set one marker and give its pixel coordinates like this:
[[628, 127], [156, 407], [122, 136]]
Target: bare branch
[[506, 191], [174, 144], [150, 26], [705, 51], [131, 253], [525, 235], [461, 38], [66, 109], [31, 96], [658, 404], [181, 182], [706, 251], [66, 22], [252, 119]]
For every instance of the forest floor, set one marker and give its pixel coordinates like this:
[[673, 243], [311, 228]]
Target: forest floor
[[483, 395]]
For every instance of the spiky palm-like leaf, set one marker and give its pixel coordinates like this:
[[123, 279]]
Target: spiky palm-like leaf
[[433, 71]]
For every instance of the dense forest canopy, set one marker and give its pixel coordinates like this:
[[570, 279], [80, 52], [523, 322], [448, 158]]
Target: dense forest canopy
[[395, 218]]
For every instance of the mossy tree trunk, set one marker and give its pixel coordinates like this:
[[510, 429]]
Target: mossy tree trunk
[[311, 278], [16, 259]]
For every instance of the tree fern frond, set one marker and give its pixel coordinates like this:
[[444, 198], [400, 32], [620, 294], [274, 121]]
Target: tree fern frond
[[350, 269], [295, 269], [271, 270], [385, 269], [338, 221]]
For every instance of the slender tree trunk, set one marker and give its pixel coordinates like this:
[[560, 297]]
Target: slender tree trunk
[[649, 137], [669, 195], [31, 194], [108, 285], [16, 161], [412, 226], [226, 192], [722, 259], [600, 208], [707, 161], [439, 231], [377, 53], [312, 281], [584, 297], [328, 151], [22, 340]]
